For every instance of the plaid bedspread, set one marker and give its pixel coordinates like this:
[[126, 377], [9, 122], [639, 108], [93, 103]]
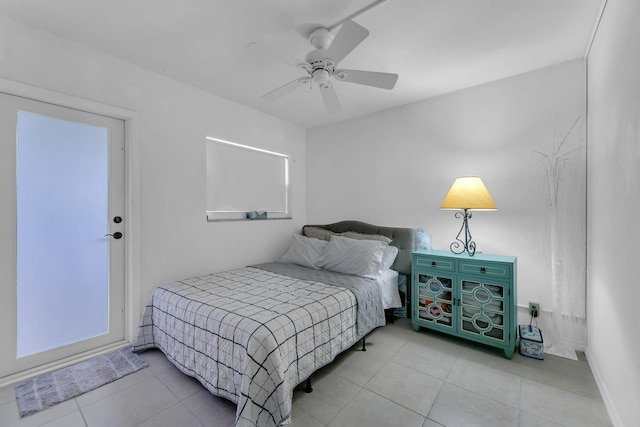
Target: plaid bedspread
[[250, 335]]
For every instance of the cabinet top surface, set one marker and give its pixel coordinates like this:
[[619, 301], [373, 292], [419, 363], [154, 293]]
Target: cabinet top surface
[[477, 256]]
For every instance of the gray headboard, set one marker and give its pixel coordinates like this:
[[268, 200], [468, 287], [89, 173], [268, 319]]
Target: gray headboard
[[402, 238]]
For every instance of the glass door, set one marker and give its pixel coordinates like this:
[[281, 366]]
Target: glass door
[[435, 300], [63, 278], [482, 308]]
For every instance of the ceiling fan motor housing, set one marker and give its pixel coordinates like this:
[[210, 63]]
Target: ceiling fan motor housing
[[321, 38]]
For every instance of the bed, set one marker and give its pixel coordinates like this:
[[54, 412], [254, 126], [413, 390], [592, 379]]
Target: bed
[[251, 335]]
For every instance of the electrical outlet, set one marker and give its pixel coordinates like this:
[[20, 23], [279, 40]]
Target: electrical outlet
[[534, 309]]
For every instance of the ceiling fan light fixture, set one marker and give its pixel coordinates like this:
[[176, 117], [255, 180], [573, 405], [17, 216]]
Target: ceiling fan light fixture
[[321, 77]]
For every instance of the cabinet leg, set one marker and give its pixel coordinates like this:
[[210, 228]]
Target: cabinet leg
[[508, 354], [416, 327]]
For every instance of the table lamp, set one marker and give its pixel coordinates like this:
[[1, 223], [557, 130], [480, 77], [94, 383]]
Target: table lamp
[[467, 193]]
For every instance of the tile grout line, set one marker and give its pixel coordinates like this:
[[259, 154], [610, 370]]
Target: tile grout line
[[84, 419], [444, 381]]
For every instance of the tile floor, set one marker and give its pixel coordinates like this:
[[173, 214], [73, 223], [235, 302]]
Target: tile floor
[[404, 378]]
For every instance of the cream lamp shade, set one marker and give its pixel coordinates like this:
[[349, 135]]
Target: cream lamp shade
[[469, 193]]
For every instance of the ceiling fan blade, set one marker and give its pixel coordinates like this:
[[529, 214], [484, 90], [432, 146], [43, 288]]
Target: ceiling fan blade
[[349, 36], [330, 98], [284, 89], [369, 78]]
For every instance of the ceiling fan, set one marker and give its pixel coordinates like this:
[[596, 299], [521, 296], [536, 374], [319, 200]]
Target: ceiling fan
[[321, 66]]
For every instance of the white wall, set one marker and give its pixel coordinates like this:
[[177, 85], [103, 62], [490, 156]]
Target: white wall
[[614, 199], [394, 168], [174, 238]]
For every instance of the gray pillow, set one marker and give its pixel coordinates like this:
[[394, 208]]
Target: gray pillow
[[318, 233], [363, 236]]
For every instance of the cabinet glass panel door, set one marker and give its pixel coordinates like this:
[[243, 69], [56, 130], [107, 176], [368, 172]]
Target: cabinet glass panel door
[[482, 307], [435, 300]]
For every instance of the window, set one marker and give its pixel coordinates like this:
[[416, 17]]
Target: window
[[244, 181]]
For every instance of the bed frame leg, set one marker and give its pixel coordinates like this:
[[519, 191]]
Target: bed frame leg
[[307, 386], [388, 315], [364, 348]]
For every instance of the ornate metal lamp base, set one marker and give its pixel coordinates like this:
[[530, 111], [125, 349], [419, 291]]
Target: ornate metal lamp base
[[468, 245]]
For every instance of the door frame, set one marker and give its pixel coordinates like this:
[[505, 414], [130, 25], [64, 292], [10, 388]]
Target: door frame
[[131, 213]]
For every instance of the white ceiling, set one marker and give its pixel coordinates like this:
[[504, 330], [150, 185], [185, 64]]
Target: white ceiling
[[435, 46]]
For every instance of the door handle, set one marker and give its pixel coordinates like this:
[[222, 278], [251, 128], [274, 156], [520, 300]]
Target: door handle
[[117, 235]]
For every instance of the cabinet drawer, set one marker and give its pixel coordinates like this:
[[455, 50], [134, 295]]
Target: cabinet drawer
[[425, 261], [491, 269]]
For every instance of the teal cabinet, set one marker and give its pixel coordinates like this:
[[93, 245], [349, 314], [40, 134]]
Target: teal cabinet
[[469, 297]]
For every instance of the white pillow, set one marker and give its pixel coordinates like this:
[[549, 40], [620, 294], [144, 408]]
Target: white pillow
[[305, 251], [357, 257], [388, 257]]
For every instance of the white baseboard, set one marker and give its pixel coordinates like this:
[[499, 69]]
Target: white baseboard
[[604, 392]]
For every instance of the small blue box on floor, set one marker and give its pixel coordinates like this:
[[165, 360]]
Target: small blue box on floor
[[531, 342]]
